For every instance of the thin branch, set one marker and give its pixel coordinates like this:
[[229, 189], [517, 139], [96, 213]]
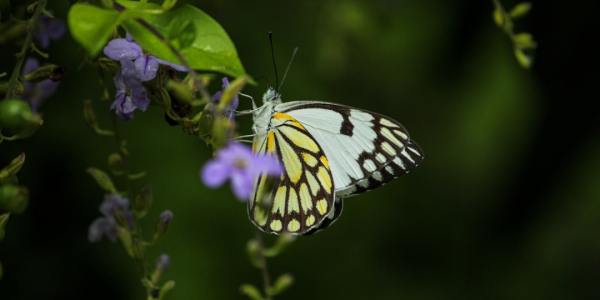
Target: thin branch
[[27, 45], [264, 270]]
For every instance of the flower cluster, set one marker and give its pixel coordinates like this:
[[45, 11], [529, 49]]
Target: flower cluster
[[136, 68], [238, 163], [115, 212]]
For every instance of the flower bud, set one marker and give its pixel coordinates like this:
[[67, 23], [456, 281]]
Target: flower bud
[[52, 72], [164, 220], [162, 263], [142, 201], [16, 118], [13, 198]]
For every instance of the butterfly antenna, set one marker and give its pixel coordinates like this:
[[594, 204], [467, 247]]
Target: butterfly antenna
[[287, 69], [273, 58]]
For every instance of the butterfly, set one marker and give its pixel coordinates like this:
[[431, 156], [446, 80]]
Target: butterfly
[[328, 152]]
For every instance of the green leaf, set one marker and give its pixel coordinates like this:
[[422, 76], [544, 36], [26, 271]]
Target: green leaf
[[524, 41], [520, 10], [524, 60], [199, 38], [253, 249], [169, 285], [126, 239], [13, 198], [498, 17], [3, 220], [168, 4], [12, 168], [251, 292], [102, 179], [281, 284], [283, 241], [92, 26]]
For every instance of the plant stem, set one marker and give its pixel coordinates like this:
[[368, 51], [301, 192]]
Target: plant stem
[[264, 270], [21, 55]]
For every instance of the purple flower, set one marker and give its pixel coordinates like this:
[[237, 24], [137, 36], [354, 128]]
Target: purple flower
[[144, 66], [136, 67], [49, 29], [130, 96], [233, 105], [238, 162], [115, 211], [36, 92]]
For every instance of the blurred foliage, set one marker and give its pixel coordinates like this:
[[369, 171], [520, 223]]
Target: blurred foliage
[[504, 206]]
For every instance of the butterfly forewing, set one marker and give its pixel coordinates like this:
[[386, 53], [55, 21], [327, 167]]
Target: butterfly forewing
[[303, 196], [366, 149]]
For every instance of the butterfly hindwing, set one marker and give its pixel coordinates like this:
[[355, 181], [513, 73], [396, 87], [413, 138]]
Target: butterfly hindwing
[[303, 196]]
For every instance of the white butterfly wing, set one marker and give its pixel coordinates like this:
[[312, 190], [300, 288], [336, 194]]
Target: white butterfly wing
[[365, 149]]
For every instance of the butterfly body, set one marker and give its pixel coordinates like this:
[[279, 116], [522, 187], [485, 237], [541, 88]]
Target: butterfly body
[[328, 152]]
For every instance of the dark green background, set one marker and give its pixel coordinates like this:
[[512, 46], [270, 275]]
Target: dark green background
[[505, 206]]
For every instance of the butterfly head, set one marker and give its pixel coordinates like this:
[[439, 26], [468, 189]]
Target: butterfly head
[[272, 96]]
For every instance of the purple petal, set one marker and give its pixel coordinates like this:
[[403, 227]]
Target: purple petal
[[139, 96], [146, 67], [128, 72], [36, 93], [55, 28], [267, 164], [175, 67], [102, 227], [215, 172], [217, 96], [30, 64], [123, 106], [122, 49], [42, 37], [242, 184]]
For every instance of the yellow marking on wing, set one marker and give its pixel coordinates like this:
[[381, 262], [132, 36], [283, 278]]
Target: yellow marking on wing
[[291, 161], [309, 159], [260, 216], [324, 161], [390, 136], [312, 182], [305, 199], [279, 201], [276, 225], [310, 220], [324, 179], [388, 148], [293, 201], [293, 225], [300, 138], [388, 123], [285, 117], [401, 134], [271, 142], [322, 206]]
